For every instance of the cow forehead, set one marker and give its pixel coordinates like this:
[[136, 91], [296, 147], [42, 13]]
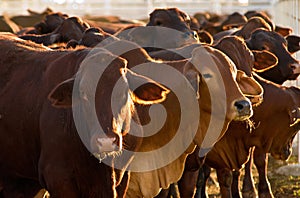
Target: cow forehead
[[93, 67], [207, 57]]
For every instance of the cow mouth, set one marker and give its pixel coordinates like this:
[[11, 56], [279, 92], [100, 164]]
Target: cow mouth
[[103, 147]]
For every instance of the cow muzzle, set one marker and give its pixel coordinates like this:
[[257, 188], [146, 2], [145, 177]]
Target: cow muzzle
[[103, 147], [243, 110], [296, 68], [191, 37]]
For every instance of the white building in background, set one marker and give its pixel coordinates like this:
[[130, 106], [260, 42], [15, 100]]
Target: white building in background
[[132, 9]]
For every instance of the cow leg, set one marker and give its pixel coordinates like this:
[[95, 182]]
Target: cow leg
[[225, 181], [123, 186], [248, 189], [187, 183], [203, 175], [235, 186], [172, 191], [261, 163], [164, 193]]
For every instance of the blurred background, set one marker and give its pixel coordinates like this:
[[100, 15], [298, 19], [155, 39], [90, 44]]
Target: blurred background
[[283, 11]]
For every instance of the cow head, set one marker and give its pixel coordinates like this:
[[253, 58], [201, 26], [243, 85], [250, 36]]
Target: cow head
[[51, 22], [287, 67], [247, 61], [171, 18], [71, 28], [175, 19], [102, 96], [218, 74], [281, 147]]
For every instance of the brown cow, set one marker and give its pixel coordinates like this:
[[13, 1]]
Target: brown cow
[[70, 28], [148, 183], [287, 68], [50, 23], [237, 50], [40, 144], [226, 155], [260, 157], [170, 27]]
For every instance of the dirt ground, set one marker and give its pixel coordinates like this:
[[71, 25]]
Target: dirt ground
[[282, 186]]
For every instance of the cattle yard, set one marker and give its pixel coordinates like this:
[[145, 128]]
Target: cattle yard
[[93, 74]]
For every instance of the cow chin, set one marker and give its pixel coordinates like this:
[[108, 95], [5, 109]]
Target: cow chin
[[242, 117]]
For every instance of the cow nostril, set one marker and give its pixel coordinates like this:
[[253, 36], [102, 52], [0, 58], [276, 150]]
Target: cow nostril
[[242, 105]]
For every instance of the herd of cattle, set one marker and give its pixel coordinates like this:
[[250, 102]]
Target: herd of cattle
[[45, 60]]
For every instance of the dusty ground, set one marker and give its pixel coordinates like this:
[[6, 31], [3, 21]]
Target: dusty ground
[[282, 186]]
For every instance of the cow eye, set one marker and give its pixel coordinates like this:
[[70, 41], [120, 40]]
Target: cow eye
[[207, 76], [158, 23], [264, 47]]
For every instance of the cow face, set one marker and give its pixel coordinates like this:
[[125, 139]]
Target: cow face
[[287, 67], [174, 19], [220, 96], [171, 18], [71, 28], [102, 97]]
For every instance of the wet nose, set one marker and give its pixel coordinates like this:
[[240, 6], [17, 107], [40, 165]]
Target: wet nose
[[189, 35], [296, 68], [243, 107]]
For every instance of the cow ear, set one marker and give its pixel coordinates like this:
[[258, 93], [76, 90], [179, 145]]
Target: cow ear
[[293, 43], [205, 37], [144, 90], [250, 87], [61, 95], [264, 60], [283, 31]]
